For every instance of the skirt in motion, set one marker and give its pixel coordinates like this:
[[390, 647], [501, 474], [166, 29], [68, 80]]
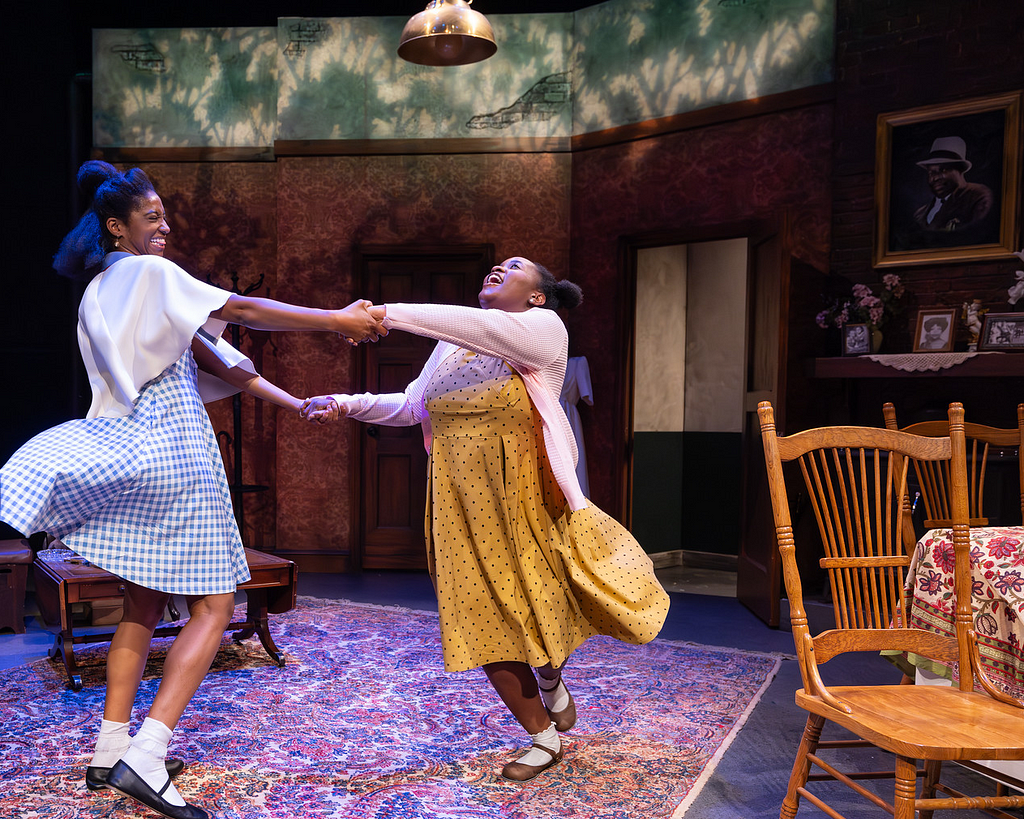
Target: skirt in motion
[[143, 496]]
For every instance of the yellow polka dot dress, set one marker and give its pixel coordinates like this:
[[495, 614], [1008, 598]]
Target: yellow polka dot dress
[[517, 577]]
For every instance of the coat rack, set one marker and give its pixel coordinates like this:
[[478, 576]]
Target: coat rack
[[234, 439]]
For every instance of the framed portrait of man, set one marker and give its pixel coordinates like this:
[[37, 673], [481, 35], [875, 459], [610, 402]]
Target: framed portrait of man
[[947, 182]]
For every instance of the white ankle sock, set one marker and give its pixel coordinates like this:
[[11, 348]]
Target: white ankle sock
[[146, 757], [111, 744], [549, 739], [555, 699]]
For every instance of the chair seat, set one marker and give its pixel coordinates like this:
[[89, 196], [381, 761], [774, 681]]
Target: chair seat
[[972, 725]]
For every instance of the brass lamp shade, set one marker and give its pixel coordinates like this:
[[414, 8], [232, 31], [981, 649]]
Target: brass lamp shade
[[447, 32]]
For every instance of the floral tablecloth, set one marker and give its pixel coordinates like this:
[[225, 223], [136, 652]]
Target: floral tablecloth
[[997, 573]]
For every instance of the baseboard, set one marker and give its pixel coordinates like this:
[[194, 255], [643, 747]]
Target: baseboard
[[694, 560]]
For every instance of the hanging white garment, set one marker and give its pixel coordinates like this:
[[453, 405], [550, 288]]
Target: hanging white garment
[[576, 388]]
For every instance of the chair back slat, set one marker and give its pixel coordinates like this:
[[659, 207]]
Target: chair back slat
[[855, 494], [934, 478]]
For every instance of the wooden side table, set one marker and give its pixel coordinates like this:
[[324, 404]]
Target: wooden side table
[[61, 584]]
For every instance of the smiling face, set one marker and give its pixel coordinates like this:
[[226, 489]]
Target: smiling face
[[145, 232], [512, 286], [944, 179]]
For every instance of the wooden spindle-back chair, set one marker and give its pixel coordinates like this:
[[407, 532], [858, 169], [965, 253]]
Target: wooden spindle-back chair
[[856, 478]]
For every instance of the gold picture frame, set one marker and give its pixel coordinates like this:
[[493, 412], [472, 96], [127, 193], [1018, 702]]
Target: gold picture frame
[[947, 182]]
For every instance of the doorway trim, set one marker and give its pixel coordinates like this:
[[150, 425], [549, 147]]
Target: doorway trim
[[628, 247]]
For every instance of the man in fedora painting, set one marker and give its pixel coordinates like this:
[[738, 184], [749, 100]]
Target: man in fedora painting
[[956, 204]]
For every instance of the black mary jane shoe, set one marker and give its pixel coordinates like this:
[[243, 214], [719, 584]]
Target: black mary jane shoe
[[128, 783], [96, 778]]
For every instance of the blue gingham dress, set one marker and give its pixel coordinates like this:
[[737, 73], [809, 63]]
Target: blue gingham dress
[[143, 496]]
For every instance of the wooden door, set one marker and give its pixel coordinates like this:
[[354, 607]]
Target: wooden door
[[758, 570], [393, 462]]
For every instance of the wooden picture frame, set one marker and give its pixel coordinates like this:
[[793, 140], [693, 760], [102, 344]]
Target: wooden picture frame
[[936, 330], [856, 339], [1002, 331], [968, 152]]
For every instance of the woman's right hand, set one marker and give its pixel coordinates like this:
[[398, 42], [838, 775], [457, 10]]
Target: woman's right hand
[[357, 323]]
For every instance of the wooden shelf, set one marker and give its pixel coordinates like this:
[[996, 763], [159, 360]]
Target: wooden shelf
[[983, 365]]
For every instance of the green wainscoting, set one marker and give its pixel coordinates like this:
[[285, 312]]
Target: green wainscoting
[[686, 491]]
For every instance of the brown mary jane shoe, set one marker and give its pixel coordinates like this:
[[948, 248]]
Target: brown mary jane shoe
[[520, 772]]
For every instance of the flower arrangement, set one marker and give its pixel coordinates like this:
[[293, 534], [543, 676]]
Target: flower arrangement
[[865, 307]]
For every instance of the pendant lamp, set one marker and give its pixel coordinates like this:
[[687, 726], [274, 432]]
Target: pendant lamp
[[447, 32]]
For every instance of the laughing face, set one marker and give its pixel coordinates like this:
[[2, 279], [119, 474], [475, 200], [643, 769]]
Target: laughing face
[[512, 286], [944, 179], [145, 232]]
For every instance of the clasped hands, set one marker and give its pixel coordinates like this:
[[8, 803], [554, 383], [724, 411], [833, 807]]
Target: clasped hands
[[321, 409], [361, 321]]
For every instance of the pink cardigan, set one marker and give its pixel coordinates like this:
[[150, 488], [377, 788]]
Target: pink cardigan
[[533, 342]]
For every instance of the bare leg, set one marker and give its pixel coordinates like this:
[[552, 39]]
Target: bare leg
[[142, 772], [190, 655], [556, 697], [129, 649], [517, 688]]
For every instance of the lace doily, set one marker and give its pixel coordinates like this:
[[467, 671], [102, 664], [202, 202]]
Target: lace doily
[[921, 362]]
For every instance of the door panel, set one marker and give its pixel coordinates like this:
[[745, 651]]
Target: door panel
[[393, 462], [758, 570]]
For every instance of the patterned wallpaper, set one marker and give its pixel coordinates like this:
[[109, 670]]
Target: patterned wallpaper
[[554, 75]]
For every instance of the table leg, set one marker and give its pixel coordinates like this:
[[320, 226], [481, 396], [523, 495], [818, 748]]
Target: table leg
[[257, 622], [64, 648]]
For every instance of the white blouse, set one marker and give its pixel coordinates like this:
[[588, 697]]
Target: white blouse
[[136, 318]]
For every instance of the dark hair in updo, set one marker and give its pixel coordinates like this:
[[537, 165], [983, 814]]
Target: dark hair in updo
[[558, 293], [110, 193]]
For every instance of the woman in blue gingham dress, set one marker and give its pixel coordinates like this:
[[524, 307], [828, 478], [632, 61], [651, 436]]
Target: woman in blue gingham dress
[[138, 486]]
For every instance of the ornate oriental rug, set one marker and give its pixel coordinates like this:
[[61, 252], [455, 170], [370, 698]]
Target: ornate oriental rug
[[363, 723]]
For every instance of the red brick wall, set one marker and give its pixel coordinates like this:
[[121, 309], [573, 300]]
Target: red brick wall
[[893, 55]]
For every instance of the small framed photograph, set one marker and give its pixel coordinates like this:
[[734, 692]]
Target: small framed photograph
[[936, 329], [856, 339], [1002, 331]]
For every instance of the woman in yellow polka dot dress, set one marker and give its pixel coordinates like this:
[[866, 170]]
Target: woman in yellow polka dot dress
[[525, 568]]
